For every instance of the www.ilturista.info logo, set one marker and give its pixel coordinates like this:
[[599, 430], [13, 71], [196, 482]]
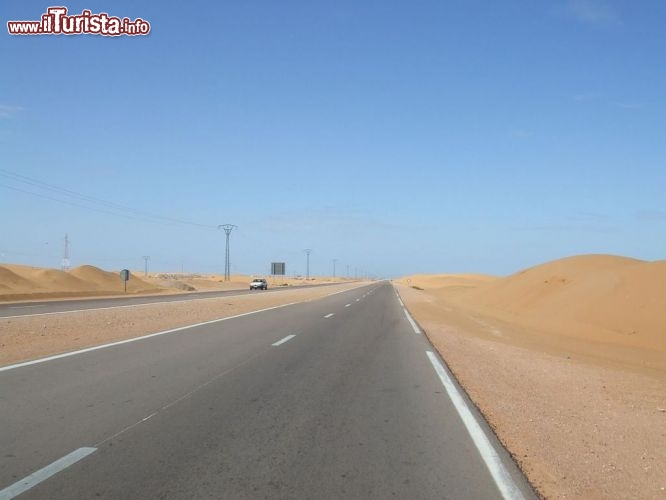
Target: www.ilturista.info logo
[[57, 22]]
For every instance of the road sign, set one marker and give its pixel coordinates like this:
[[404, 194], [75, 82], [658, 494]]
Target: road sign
[[277, 268], [124, 277]]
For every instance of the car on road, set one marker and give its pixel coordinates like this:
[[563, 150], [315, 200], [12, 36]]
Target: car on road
[[258, 284]]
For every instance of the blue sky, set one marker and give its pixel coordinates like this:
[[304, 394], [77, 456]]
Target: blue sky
[[396, 137]]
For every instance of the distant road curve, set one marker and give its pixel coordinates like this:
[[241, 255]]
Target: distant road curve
[[33, 308]]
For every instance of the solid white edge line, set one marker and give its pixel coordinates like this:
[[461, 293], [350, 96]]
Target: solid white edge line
[[286, 339], [411, 320], [502, 478], [329, 315], [399, 298], [43, 474], [415, 327], [135, 339]]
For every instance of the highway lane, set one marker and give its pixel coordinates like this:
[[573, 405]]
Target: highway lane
[[32, 308], [334, 398]]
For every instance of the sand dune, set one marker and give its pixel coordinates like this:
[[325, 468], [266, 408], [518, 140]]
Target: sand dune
[[531, 287], [600, 298], [24, 282], [51, 279], [567, 360], [9, 280]]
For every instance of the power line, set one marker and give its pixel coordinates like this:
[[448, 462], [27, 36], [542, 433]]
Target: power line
[[90, 199], [65, 202]]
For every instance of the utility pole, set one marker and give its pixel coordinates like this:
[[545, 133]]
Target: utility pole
[[308, 251], [146, 258], [65, 265], [334, 262], [227, 267]]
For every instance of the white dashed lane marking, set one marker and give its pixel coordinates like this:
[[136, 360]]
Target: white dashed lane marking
[[286, 339], [43, 474]]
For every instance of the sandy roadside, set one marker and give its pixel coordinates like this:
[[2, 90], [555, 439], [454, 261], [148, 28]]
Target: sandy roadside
[[21, 283], [578, 427], [27, 338]]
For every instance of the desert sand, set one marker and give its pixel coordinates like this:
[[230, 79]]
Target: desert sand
[[21, 283], [567, 361], [200, 282]]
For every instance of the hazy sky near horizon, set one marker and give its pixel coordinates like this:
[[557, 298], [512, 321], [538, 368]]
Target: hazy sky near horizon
[[394, 136]]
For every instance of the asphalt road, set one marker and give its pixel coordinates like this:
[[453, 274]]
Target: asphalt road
[[334, 398], [32, 308]]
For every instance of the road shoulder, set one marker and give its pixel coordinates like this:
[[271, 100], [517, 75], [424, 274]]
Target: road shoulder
[[31, 337], [577, 429]]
